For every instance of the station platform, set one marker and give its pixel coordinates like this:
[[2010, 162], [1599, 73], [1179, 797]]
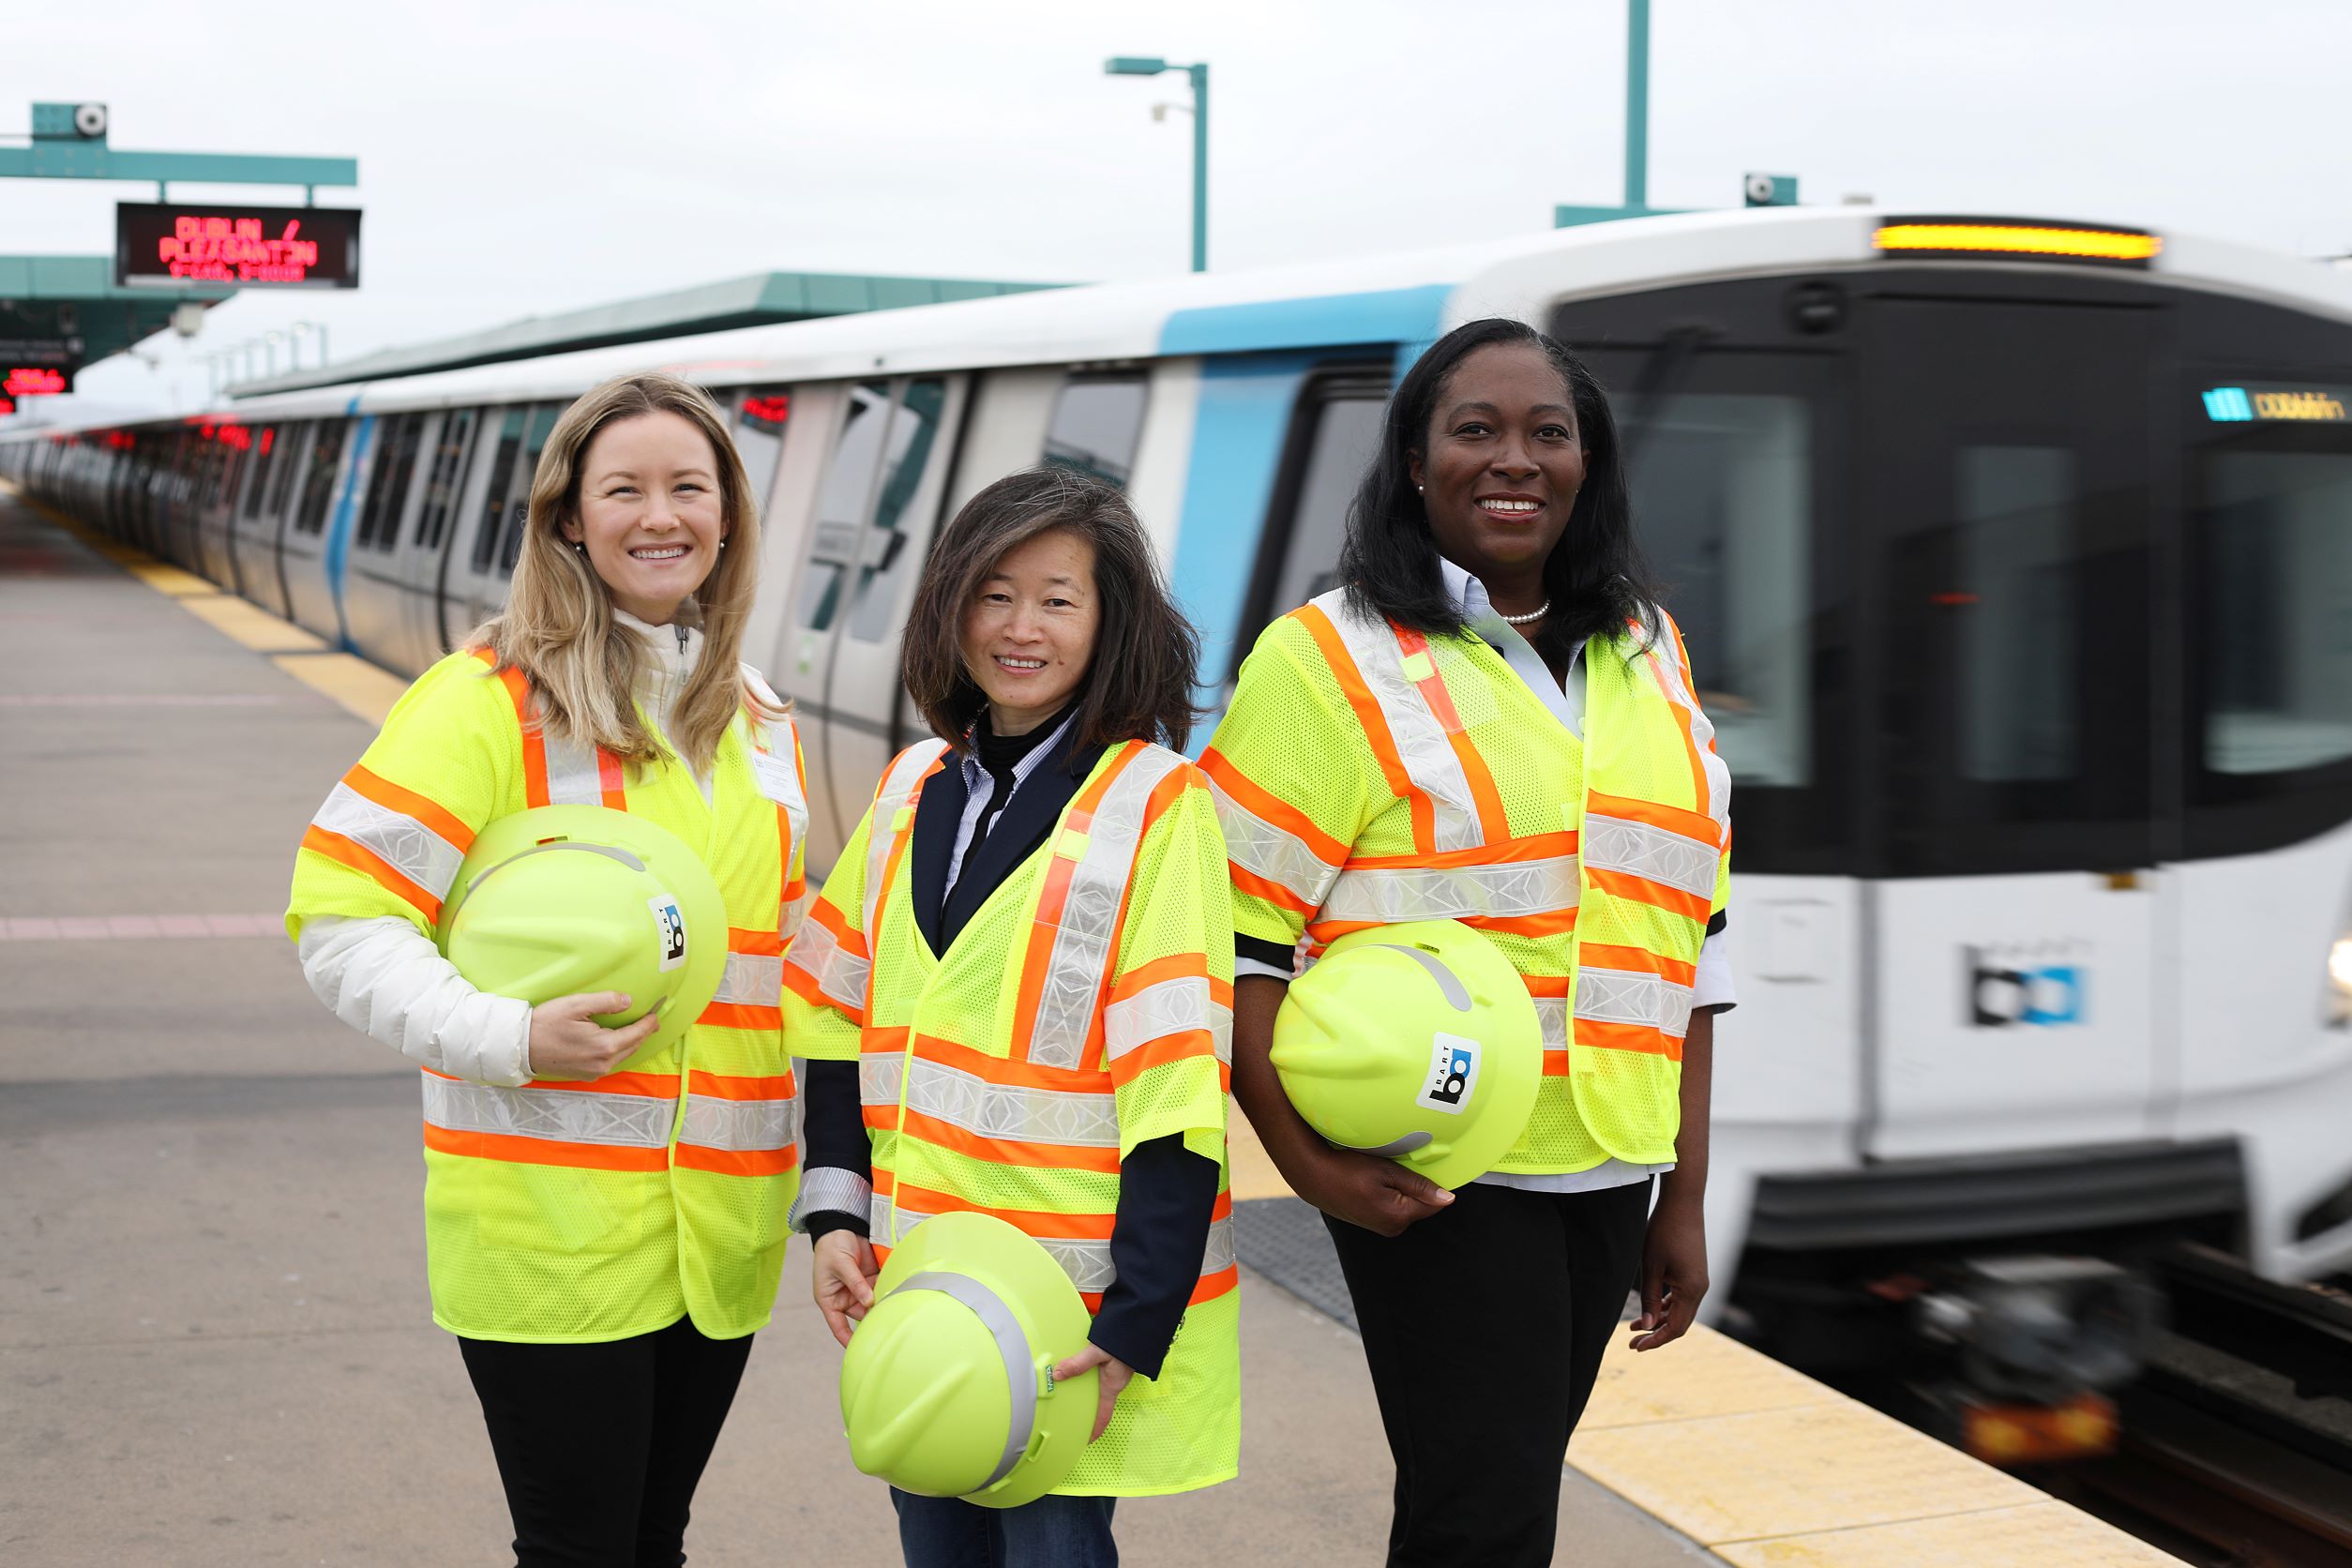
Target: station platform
[[213, 1339]]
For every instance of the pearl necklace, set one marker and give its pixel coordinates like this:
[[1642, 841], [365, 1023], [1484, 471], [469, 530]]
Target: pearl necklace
[[1536, 614]]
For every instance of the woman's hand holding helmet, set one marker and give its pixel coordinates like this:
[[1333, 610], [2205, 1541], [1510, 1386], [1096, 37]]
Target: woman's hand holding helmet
[[843, 1282], [568, 1042], [1374, 1193]]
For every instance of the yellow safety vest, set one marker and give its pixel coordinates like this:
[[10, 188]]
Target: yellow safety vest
[[1071, 1020], [578, 1212], [1366, 774]]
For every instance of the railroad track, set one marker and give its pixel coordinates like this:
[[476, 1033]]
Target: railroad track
[[2236, 1443]]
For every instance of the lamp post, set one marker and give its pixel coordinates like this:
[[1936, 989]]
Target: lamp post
[[302, 330], [1151, 64]]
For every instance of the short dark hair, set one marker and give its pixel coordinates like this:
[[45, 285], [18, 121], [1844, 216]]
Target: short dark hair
[[1140, 683], [1595, 577]]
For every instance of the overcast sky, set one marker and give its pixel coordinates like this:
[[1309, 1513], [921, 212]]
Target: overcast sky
[[522, 156]]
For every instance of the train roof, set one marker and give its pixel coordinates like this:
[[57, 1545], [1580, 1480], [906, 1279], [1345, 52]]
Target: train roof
[[1399, 297]]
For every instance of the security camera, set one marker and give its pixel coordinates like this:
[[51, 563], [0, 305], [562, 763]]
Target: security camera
[[89, 120], [1760, 190]]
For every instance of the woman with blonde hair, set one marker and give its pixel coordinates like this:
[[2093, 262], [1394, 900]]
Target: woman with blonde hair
[[604, 1209]]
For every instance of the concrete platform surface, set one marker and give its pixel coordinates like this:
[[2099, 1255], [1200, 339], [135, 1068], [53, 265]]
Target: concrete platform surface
[[213, 1345]]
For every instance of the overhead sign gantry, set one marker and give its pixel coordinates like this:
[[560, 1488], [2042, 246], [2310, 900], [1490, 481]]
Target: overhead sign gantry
[[172, 260]]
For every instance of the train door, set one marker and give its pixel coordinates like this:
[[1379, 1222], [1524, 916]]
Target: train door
[[2006, 458], [476, 572], [445, 460], [870, 532], [377, 579]]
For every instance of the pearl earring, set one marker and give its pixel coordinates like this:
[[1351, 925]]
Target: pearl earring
[[579, 549]]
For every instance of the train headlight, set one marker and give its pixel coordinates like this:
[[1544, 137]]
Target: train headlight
[[2340, 982]]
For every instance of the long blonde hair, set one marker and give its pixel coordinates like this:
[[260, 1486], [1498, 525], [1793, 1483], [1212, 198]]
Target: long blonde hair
[[558, 627]]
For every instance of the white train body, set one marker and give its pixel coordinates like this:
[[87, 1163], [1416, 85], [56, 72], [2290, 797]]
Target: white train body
[[2032, 657]]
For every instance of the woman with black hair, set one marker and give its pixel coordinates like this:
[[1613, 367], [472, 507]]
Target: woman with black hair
[[1492, 720]]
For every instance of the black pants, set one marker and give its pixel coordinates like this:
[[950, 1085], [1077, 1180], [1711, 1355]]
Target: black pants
[[1483, 1327], [600, 1446]]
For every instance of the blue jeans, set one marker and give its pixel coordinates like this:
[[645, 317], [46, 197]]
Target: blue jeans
[[1054, 1532]]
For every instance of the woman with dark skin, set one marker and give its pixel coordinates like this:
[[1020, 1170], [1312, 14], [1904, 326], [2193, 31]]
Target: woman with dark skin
[[1492, 537]]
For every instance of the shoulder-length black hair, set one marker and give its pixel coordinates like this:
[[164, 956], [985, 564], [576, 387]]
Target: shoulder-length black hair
[[1140, 683], [1595, 577]]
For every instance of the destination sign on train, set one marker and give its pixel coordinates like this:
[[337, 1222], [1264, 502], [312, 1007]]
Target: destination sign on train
[[2303, 406], [248, 247]]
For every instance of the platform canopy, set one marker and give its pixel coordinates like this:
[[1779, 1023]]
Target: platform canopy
[[755, 300], [75, 300]]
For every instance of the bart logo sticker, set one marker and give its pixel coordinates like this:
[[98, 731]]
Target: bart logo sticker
[[670, 921], [1452, 1074]]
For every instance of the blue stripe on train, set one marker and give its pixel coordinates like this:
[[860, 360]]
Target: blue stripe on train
[[1407, 316], [338, 530]]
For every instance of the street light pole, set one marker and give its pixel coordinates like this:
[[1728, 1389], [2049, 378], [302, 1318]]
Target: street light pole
[[1151, 64]]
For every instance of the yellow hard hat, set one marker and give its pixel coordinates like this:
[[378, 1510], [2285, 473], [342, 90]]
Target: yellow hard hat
[[1417, 1041], [948, 1387], [563, 900]]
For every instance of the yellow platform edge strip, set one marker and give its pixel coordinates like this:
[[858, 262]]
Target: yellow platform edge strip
[[1767, 1468]]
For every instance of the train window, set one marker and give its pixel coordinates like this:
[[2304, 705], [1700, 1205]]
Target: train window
[[884, 560], [1722, 494], [446, 478], [534, 433], [2018, 674], [759, 436], [2277, 547], [387, 485], [264, 464], [292, 441], [1335, 431], [841, 503], [1097, 424], [317, 479], [502, 480]]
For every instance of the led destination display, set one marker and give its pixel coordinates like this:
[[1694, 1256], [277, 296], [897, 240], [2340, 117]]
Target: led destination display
[[2304, 405], [177, 242]]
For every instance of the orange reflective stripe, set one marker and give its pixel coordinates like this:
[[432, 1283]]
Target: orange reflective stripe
[[1125, 1069], [543, 1151], [757, 945], [826, 913], [1694, 825], [1259, 803], [1212, 1285], [1600, 956], [410, 804], [1037, 958], [742, 1015], [741, 1086], [1013, 1071], [1493, 824], [1176, 966], [1502, 851], [738, 1162], [1641, 890], [651, 1086], [609, 780], [373, 866], [1006, 1151], [1035, 1222], [1640, 1038], [1535, 927], [1368, 717]]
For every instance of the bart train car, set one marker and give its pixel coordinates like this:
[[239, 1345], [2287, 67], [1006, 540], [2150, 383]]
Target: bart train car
[[2014, 558]]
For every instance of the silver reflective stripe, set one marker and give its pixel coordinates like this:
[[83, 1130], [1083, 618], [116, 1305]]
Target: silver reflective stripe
[[1421, 739], [1512, 890], [1085, 1259], [395, 837], [1170, 1007], [1633, 997], [1278, 855], [882, 829], [744, 1126], [564, 1115], [878, 1080], [1020, 1373], [830, 1189], [1653, 853], [1069, 1117], [1090, 911], [752, 980], [840, 974], [1551, 1016], [572, 776], [1667, 672]]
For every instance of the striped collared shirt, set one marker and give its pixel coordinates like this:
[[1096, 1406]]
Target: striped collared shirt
[[980, 787]]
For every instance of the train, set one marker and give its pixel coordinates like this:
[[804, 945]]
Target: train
[[2014, 557]]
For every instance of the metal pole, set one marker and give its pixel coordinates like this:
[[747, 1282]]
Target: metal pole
[[1637, 103], [322, 345], [1200, 74]]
